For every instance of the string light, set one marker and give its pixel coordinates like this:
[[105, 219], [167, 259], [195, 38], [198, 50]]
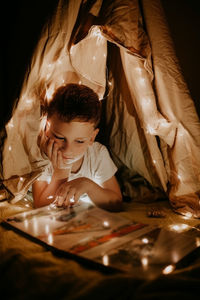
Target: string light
[[179, 227], [145, 262], [145, 240], [50, 238], [179, 177], [168, 269], [106, 224], [105, 260]]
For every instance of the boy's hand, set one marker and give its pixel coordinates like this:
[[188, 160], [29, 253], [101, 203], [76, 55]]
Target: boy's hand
[[50, 148], [69, 193]]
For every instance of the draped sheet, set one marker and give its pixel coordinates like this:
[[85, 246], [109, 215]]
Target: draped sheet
[[127, 57]]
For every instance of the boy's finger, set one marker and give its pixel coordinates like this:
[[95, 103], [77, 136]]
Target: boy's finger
[[50, 148], [60, 160], [59, 200], [70, 194], [54, 157]]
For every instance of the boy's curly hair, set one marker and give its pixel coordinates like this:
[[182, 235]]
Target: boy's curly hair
[[75, 101]]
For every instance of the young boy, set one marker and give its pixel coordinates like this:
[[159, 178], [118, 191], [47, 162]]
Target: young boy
[[79, 165]]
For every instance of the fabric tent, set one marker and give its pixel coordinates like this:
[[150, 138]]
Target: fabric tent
[[127, 57]]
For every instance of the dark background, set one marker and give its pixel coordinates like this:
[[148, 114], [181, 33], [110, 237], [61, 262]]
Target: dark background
[[23, 21]]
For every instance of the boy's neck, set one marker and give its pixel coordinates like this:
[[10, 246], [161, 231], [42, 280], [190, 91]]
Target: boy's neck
[[77, 165]]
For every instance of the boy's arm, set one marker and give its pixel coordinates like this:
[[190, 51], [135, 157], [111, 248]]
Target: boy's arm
[[44, 192], [107, 196]]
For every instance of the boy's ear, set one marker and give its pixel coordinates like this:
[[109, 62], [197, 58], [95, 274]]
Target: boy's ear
[[95, 132]]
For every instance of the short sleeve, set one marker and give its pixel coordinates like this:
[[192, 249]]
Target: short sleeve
[[47, 173], [104, 167]]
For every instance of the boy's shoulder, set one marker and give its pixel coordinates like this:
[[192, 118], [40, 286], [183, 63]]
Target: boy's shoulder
[[97, 148]]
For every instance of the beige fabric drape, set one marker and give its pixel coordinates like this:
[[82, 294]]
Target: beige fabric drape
[[153, 127]]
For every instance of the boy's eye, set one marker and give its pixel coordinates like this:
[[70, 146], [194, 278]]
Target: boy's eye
[[79, 142], [59, 137]]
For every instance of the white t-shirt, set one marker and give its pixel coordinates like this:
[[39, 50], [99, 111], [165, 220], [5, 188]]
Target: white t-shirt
[[97, 165]]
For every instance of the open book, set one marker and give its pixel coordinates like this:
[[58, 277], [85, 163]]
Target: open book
[[108, 239]]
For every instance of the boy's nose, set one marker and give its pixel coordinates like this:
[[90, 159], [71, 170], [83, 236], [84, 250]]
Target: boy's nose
[[66, 149]]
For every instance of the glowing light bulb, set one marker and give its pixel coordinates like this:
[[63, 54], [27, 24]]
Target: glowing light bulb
[[9, 148], [150, 130], [198, 241], [188, 215], [10, 124], [49, 93], [72, 49], [154, 161], [80, 82], [71, 200], [145, 240], [179, 227], [106, 224], [96, 32], [50, 238], [105, 260], [144, 261], [168, 269], [179, 177]]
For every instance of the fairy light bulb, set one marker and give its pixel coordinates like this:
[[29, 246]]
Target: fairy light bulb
[[10, 124], [9, 148], [198, 241], [106, 224], [168, 269], [179, 227], [179, 177], [71, 49], [145, 240], [96, 32], [188, 215], [105, 260], [50, 239], [49, 93], [144, 262]]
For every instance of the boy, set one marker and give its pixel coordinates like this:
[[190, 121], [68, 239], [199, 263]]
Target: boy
[[78, 164]]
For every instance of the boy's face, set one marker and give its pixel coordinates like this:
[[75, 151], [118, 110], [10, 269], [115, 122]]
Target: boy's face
[[73, 138]]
